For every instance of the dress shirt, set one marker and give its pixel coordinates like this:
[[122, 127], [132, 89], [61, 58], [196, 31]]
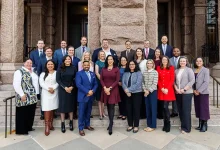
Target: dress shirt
[[48, 58], [164, 46], [63, 51], [83, 48], [107, 52], [40, 51], [17, 82], [127, 52], [146, 52], [89, 76], [176, 59]]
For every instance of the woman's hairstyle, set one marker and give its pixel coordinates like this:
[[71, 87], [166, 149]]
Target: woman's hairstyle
[[168, 63], [106, 61], [26, 59], [63, 66], [187, 61], [136, 69], [195, 65], [151, 60], [83, 57], [142, 57], [120, 60], [46, 69], [100, 53], [158, 49]]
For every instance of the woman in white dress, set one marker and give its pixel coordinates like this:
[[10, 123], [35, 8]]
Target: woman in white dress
[[49, 95]]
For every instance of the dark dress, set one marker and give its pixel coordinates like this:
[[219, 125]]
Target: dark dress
[[123, 96], [157, 63], [99, 89], [110, 78], [66, 79], [201, 103]]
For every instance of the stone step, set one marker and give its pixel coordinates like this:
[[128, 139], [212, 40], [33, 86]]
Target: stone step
[[6, 87], [95, 122]]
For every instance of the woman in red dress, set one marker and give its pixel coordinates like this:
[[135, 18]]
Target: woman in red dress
[[110, 76], [166, 77]]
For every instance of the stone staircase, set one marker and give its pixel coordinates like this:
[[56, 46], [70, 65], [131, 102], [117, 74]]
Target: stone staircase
[[7, 91]]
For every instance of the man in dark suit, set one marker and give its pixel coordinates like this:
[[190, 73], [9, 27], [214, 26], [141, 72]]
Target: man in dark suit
[[166, 49], [148, 52], [108, 51], [35, 55], [48, 56], [128, 53], [87, 85], [59, 53]]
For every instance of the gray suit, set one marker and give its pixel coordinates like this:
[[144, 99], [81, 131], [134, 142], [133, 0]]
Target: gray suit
[[79, 52], [202, 81], [172, 63], [187, 79]]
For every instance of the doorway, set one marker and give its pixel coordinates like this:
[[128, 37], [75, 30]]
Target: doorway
[[77, 22]]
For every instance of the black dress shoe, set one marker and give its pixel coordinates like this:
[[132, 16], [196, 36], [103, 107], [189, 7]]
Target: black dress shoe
[[63, 129], [32, 129], [41, 117], [173, 115], [71, 125]]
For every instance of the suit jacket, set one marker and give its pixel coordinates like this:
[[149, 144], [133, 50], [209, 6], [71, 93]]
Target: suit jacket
[[79, 53], [169, 50], [34, 56], [172, 63], [130, 55], [202, 81], [187, 79], [84, 85], [96, 52], [41, 65], [150, 54], [58, 56], [75, 62]]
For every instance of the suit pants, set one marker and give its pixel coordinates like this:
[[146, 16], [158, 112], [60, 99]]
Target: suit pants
[[85, 109], [24, 118], [133, 109], [184, 104], [151, 109]]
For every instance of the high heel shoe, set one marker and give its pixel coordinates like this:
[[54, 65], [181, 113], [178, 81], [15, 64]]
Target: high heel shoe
[[100, 117], [110, 131], [71, 125], [63, 129]]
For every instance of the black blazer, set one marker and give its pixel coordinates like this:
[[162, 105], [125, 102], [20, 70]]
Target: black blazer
[[130, 55], [150, 54], [169, 50], [96, 53]]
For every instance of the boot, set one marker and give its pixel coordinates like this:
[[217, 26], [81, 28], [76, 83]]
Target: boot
[[167, 126], [199, 127], [164, 125], [47, 122], [51, 120], [63, 129], [204, 126], [71, 125]]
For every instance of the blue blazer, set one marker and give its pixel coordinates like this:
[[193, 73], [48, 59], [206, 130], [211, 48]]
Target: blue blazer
[[34, 56], [169, 50], [96, 53], [58, 57], [41, 65], [75, 62], [84, 85]]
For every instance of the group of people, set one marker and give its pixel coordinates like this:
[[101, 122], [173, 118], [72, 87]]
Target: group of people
[[142, 82]]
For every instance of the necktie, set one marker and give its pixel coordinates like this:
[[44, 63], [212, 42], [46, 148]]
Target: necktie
[[146, 53], [41, 53], [88, 74], [175, 61], [127, 53], [64, 53], [83, 49], [164, 49]]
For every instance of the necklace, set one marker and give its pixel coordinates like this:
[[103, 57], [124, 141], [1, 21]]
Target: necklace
[[109, 69]]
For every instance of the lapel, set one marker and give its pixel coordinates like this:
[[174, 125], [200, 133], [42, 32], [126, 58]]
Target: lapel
[[201, 70], [112, 52], [37, 54], [87, 78]]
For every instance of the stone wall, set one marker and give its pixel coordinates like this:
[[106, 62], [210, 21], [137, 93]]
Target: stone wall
[[121, 20]]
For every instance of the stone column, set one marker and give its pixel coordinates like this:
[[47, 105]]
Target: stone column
[[151, 24], [37, 23], [12, 38], [200, 26], [94, 14]]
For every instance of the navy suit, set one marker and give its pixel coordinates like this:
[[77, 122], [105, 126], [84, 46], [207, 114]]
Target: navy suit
[[150, 54], [41, 65], [58, 57], [169, 50], [35, 57], [85, 102], [75, 62], [96, 53]]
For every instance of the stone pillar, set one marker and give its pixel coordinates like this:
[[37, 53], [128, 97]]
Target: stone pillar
[[151, 24], [200, 26], [37, 23], [94, 14], [12, 38]]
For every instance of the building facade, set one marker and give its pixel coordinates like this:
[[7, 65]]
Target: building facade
[[191, 25]]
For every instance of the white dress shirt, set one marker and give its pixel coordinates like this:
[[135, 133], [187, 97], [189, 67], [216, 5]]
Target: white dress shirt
[[40, 51], [17, 82]]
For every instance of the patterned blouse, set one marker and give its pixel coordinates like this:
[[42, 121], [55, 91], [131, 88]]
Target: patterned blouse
[[150, 80]]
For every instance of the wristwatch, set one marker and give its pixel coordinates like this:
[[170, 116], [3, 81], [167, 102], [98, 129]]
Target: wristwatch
[[110, 88]]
